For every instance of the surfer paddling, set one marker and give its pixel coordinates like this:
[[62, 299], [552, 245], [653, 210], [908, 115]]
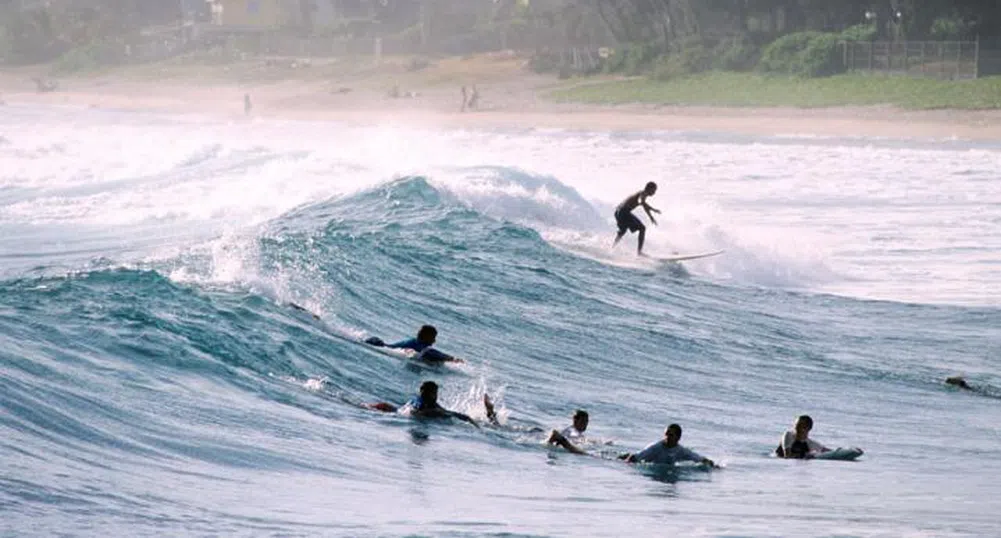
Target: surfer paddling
[[667, 451], [424, 405], [426, 337], [960, 383], [625, 219]]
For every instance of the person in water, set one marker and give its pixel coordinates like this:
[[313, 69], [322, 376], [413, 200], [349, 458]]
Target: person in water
[[667, 451], [424, 405], [426, 338], [796, 443], [574, 432], [625, 219], [958, 381], [983, 390]]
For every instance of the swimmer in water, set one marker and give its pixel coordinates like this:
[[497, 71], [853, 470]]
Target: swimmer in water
[[667, 451], [574, 432], [958, 381], [796, 443]]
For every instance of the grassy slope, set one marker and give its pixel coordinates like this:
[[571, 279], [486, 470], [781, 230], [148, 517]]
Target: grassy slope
[[360, 70], [745, 89]]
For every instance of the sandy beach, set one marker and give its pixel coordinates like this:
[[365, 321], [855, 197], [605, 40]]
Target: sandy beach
[[511, 97]]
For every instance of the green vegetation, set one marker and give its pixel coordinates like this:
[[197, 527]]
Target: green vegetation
[[754, 90], [91, 57], [691, 52], [806, 54]]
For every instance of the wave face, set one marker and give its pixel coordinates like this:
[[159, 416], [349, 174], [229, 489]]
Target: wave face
[[154, 380]]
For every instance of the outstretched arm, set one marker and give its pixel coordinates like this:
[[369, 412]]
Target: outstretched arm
[[691, 455], [461, 416], [433, 355], [650, 211]]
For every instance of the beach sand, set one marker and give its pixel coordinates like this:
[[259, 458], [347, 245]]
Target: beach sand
[[510, 98]]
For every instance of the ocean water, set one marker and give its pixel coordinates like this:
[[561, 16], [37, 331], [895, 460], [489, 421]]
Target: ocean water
[[153, 380]]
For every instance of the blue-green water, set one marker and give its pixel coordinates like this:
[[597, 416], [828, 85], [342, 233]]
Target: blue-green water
[[154, 382]]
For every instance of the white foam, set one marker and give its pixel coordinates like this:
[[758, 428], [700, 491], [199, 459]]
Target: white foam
[[875, 220]]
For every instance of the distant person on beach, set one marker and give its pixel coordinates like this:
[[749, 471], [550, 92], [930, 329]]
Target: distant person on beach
[[465, 98], [625, 219], [667, 451], [426, 337], [424, 405], [247, 105], [45, 86], [796, 443], [474, 99]]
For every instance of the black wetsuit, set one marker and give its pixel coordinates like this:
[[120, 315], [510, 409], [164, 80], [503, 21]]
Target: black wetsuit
[[624, 217], [798, 450]]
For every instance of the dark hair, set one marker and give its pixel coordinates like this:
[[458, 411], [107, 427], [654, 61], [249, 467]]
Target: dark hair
[[427, 332], [651, 186], [580, 413], [673, 427], [428, 385], [807, 420]]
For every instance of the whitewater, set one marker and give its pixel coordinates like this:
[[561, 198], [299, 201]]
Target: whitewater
[[154, 380]]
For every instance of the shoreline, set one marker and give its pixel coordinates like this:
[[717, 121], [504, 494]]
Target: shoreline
[[511, 103]]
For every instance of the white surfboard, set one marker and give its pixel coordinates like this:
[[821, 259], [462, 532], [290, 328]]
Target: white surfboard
[[684, 257], [841, 454]]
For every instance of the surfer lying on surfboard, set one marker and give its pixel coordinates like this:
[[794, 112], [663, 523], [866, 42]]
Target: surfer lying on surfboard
[[667, 451], [426, 337], [625, 219], [984, 390], [424, 405]]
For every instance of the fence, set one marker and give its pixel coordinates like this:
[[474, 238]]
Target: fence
[[161, 43], [950, 60]]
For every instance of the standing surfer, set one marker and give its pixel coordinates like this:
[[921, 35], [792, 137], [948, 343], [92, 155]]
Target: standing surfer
[[625, 219]]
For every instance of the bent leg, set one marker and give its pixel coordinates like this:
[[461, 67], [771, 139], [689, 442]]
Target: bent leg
[[489, 405], [618, 236], [639, 248]]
